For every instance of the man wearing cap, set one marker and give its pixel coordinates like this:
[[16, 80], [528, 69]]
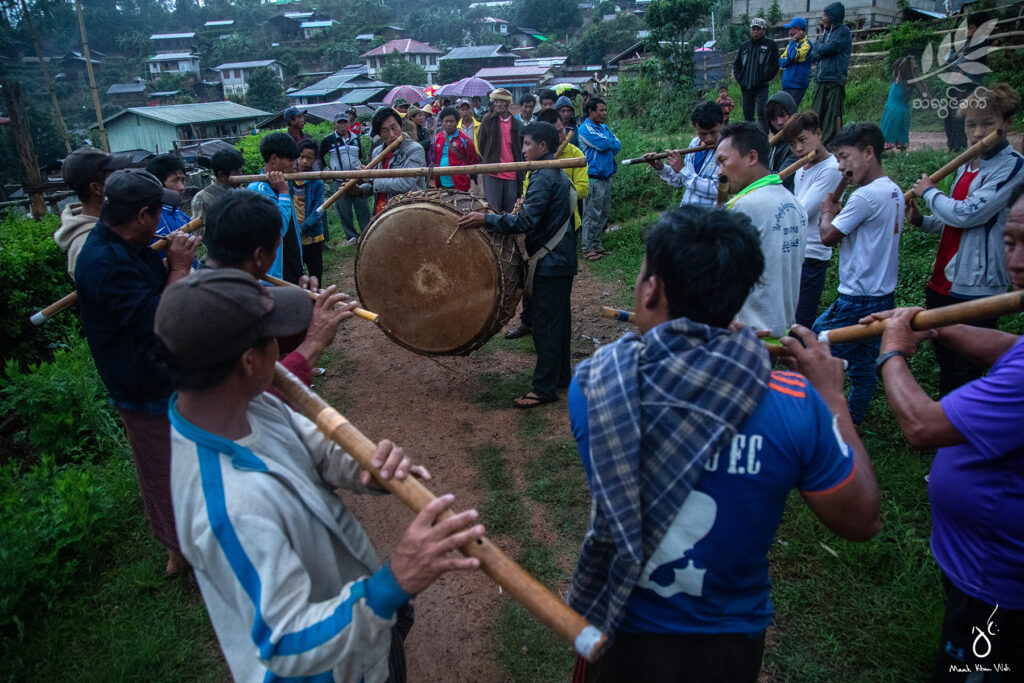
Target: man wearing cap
[[85, 171], [755, 66], [387, 124], [354, 127], [292, 583], [832, 55], [120, 281], [468, 123], [342, 151], [295, 121], [794, 60], [498, 142]]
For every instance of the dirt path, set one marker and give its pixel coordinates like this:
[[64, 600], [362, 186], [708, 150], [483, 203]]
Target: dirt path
[[431, 407], [937, 140]]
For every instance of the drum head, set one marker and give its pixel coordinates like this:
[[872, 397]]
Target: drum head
[[432, 297]]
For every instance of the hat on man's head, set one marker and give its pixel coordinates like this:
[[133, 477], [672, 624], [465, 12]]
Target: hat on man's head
[[291, 112], [758, 22], [81, 165], [341, 116], [798, 22], [399, 102], [131, 186], [463, 102], [413, 110], [215, 314], [501, 94]]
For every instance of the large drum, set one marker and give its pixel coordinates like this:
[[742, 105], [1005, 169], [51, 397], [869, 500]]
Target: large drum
[[434, 296]]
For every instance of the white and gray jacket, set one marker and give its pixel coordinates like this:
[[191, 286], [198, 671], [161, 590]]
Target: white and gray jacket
[[408, 155], [978, 268], [700, 185], [291, 582]]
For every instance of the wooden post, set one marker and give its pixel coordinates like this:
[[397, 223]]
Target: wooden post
[[30, 175], [92, 78], [46, 78]]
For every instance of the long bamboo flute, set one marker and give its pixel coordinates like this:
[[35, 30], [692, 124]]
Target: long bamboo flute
[[664, 155], [723, 189], [967, 155], [374, 163], [561, 148], [587, 640], [978, 309], [425, 171], [361, 312], [774, 140], [798, 164], [624, 316], [69, 300]]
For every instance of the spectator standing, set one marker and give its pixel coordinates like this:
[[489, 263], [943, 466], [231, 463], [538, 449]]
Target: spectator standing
[[696, 173], [547, 99], [526, 106], [468, 123], [780, 221], [795, 61], [295, 121], [896, 117], [498, 142], [307, 195], [224, 164], [452, 147], [780, 155], [600, 146], [726, 103], [756, 63], [969, 262], [867, 230], [956, 140], [832, 55], [85, 171], [343, 153], [387, 124], [418, 117], [691, 446], [567, 112], [169, 170]]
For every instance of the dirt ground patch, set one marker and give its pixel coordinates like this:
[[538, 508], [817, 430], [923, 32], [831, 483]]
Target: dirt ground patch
[[431, 406], [937, 140]]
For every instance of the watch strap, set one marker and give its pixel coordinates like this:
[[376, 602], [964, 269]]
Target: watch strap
[[882, 359]]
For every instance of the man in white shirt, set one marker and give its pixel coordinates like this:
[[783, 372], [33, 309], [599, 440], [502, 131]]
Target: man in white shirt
[[867, 230], [780, 221], [813, 183], [696, 173]]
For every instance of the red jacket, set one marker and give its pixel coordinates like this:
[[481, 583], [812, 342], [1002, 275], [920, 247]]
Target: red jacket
[[461, 152]]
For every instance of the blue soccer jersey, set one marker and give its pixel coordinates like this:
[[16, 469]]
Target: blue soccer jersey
[[710, 572]]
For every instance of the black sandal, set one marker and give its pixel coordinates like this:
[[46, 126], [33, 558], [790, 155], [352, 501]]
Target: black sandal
[[534, 399]]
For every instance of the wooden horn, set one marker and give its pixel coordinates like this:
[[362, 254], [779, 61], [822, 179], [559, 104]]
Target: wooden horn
[[69, 300], [361, 312], [421, 171], [774, 140], [723, 189], [978, 309], [376, 161], [967, 155], [664, 155], [587, 640], [798, 164]]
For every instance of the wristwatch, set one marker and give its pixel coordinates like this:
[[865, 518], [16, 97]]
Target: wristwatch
[[881, 360]]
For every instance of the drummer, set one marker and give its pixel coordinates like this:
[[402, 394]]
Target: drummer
[[546, 219], [387, 124]]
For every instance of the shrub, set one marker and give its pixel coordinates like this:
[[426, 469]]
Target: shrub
[[249, 145], [32, 275]]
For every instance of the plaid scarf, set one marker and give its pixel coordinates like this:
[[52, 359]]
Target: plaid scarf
[[657, 406]]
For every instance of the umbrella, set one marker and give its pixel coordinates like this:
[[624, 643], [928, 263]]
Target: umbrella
[[410, 93], [563, 88], [467, 87], [430, 90]]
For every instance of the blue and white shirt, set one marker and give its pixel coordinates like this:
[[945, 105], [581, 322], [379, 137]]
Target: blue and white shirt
[[699, 177], [710, 572], [292, 584]]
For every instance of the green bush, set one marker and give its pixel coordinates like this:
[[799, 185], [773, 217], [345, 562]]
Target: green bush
[[33, 273], [249, 146], [62, 407]]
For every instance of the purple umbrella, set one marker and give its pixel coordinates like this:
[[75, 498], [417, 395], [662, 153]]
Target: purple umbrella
[[467, 87], [410, 93]]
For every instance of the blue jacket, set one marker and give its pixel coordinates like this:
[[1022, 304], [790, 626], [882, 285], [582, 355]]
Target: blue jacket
[[599, 145], [290, 248], [313, 224], [832, 51], [796, 64]]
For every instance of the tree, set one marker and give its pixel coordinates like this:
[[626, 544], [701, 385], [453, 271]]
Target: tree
[[400, 71], [606, 38], [548, 15], [774, 14], [454, 69], [266, 91], [672, 24]]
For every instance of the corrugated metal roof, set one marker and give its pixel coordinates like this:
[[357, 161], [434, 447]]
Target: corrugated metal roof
[[364, 36], [572, 80], [316, 112], [164, 93], [246, 65], [200, 112], [220, 22], [403, 46], [540, 61], [490, 72], [172, 56], [476, 52], [126, 88], [318, 24], [172, 36], [361, 95], [493, 20], [299, 15], [339, 80]]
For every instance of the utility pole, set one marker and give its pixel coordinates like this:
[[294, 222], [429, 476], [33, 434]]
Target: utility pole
[[46, 78], [92, 78], [32, 180]]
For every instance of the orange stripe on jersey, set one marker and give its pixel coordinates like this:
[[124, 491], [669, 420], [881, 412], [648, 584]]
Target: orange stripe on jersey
[[791, 375], [786, 390], [833, 489], [790, 378]]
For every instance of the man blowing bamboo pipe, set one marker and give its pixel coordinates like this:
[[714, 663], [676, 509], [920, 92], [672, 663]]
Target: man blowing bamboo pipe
[[292, 584]]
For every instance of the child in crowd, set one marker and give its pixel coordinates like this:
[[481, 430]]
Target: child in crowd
[[726, 103], [307, 195]]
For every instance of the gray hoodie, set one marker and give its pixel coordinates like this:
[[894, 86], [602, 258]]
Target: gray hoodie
[[780, 156], [832, 50], [70, 236]]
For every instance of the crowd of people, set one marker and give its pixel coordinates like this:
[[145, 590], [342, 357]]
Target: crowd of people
[[691, 442]]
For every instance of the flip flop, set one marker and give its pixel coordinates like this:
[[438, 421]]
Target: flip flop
[[534, 401], [592, 256]]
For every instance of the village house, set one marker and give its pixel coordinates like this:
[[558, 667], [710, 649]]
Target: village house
[[408, 49], [234, 76], [172, 62], [160, 129]]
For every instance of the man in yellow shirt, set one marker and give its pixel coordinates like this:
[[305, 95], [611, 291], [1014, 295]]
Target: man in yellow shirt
[[578, 177]]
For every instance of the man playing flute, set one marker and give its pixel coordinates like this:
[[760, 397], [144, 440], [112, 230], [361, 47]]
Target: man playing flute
[[387, 124], [696, 173]]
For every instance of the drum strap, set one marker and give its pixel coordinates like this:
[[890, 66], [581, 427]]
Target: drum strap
[[549, 246]]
